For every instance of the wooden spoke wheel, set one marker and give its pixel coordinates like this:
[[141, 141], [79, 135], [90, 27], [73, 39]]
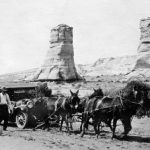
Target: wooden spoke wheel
[[21, 120]]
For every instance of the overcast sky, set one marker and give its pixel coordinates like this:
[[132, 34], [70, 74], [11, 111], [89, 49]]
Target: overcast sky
[[101, 28]]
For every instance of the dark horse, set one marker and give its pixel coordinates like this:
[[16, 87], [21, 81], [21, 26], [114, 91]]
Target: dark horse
[[83, 102], [133, 99], [65, 107], [4, 115], [88, 105], [54, 107], [123, 104]]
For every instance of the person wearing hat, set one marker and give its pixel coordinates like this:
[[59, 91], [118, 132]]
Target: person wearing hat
[[4, 99]]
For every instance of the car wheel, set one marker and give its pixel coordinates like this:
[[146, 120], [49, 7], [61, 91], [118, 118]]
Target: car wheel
[[21, 119]]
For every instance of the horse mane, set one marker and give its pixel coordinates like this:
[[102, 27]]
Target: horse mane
[[138, 84], [127, 88]]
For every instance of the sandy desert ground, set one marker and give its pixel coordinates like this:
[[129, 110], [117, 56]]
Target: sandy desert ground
[[27, 139]]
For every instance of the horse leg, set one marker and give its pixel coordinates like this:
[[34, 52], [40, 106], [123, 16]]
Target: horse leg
[[95, 124], [98, 126], [67, 124], [115, 119], [61, 123], [71, 127], [81, 123], [84, 123], [127, 126], [83, 129], [70, 123], [109, 123]]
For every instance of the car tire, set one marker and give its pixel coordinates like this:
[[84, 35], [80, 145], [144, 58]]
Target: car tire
[[21, 119]]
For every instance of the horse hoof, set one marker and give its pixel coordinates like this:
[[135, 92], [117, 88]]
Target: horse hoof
[[97, 136], [48, 129], [114, 136], [123, 136]]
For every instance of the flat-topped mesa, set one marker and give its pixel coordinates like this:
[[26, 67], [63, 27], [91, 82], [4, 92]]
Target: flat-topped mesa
[[143, 59], [59, 62]]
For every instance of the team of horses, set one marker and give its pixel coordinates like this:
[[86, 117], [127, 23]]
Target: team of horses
[[121, 104], [107, 107]]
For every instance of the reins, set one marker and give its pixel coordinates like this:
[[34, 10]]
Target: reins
[[121, 102]]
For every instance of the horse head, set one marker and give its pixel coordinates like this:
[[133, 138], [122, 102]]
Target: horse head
[[97, 92], [140, 97], [74, 100]]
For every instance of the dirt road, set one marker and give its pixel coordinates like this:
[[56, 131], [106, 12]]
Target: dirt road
[[16, 139]]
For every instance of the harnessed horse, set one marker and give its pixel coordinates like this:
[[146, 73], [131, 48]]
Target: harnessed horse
[[65, 107]]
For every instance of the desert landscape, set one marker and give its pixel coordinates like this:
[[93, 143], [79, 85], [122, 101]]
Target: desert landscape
[[15, 139], [62, 74], [139, 137]]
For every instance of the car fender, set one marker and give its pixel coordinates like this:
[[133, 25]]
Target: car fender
[[21, 108]]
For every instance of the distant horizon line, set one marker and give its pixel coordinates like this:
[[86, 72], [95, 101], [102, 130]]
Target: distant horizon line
[[20, 71]]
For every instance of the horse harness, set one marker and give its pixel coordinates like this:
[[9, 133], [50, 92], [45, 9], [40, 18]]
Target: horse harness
[[122, 101]]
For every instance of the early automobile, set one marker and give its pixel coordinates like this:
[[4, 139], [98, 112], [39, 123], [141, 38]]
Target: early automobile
[[21, 96], [27, 99]]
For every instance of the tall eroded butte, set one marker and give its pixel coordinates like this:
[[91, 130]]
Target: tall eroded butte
[[59, 62]]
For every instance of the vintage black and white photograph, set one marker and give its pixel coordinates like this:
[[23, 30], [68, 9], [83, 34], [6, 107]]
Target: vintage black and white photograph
[[74, 75]]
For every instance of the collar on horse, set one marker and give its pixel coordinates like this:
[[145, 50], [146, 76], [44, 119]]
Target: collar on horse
[[122, 101]]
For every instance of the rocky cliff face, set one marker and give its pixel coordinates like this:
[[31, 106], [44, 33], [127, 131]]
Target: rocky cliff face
[[143, 60], [109, 66], [142, 66], [59, 62]]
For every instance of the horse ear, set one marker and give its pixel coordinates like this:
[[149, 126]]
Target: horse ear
[[71, 92], [77, 92]]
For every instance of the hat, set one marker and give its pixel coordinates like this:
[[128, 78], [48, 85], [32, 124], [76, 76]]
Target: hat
[[3, 89]]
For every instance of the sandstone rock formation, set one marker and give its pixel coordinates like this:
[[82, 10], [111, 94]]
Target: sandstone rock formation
[[143, 60], [59, 62], [109, 66], [142, 66]]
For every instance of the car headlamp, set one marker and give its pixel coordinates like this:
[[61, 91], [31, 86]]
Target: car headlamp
[[30, 104]]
